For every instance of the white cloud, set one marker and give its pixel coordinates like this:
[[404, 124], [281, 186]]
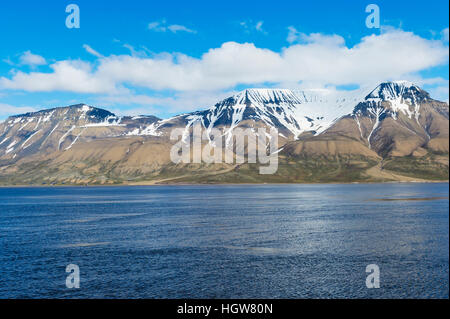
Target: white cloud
[[317, 60], [28, 58], [440, 93], [180, 102], [161, 26], [7, 110], [293, 34], [444, 34], [8, 61], [177, 28], [157, 26], [92, 51], [72, 76], [133, 52], [252, 26]]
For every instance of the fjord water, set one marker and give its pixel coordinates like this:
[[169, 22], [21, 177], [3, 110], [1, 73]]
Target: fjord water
[[233, 241]]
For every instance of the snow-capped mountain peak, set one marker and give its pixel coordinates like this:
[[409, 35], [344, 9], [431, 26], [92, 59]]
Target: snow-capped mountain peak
[[394, 98], [294, 112], [290, 111], [266, 96], [397, 99], [62, 127], [390, 91]]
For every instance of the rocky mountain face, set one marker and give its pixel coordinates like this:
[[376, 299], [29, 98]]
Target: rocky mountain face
[[290, 112], [393, 132], [58, 129], [396, 119], [405, 120]]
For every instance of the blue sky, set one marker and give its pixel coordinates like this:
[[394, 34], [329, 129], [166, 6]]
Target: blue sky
[[164, 58]]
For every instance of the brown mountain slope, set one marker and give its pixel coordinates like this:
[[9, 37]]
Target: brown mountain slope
[[48, 131], [395, 133]]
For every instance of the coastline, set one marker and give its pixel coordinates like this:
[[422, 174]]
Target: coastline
[[219, 184]]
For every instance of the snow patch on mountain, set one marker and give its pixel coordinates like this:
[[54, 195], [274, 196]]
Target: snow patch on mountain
[[151, 130], [297, 111], [24, 146], [402, 96]]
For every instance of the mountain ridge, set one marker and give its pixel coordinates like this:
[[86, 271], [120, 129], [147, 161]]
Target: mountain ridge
[[396, 121]]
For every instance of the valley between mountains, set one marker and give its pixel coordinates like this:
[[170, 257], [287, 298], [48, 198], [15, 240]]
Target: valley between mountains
[[393, 132]]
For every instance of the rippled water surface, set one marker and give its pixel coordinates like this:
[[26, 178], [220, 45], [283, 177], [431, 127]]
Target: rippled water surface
[[261, 241]]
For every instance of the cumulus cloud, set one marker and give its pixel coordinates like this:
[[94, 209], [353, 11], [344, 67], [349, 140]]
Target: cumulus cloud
[[71, 76], [314, 59], [162, 26], [30, 59], [294, 36]]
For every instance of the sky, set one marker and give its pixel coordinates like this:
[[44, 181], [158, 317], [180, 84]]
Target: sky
[[169, 57]]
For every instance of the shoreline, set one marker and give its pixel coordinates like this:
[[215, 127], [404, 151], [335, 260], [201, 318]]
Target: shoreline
[[219, 184]]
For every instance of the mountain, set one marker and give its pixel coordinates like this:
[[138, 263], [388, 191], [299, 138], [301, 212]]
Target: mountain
[[58, 129], [291, 112], [397, 119], [397, 125], [393, 132]]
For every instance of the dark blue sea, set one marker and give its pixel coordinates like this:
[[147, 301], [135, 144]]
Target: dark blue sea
[[236, 241]]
